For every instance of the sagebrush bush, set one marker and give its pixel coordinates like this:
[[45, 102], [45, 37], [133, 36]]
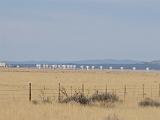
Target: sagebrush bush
[[82, 99], [78, 98], [147, 102], [104, 97]]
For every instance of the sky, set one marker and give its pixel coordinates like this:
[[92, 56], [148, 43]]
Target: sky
[[56, 30]]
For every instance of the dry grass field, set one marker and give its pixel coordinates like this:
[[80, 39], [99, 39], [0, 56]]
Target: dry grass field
[[14, 104]]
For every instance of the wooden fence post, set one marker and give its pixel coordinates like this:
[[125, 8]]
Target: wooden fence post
[[71, 91], [125, 91], [106, 89], [97, 92], [159, 89], [30, 92], [143, 91], [59, 92], [151, 91]]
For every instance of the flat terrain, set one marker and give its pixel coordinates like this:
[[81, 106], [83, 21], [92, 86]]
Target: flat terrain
[[14, 104]]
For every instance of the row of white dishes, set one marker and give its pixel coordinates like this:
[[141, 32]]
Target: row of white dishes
[[82, 67]]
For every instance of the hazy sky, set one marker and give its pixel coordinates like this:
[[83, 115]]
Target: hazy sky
[[79, 29]]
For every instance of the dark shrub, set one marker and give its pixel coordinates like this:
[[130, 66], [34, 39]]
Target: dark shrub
[[105, 97], [149, 102], [82, 99], [77, 98]]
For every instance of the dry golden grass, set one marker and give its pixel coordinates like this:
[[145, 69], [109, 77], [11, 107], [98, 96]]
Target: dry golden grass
[[20, 109], [27, 111]]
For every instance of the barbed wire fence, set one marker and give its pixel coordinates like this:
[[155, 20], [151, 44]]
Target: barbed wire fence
[[29, 92]]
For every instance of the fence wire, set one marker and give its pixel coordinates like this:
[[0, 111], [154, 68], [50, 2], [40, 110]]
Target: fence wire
[[9, 92]]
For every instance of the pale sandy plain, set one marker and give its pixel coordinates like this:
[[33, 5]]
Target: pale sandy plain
[[14, 105]]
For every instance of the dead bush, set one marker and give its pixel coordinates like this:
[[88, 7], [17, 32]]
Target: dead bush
[[147, 102], [104, 97], [78, 98]]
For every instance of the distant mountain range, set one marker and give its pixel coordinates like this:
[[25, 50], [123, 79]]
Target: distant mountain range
[[108, 61], [154, 62], [104, 61]]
